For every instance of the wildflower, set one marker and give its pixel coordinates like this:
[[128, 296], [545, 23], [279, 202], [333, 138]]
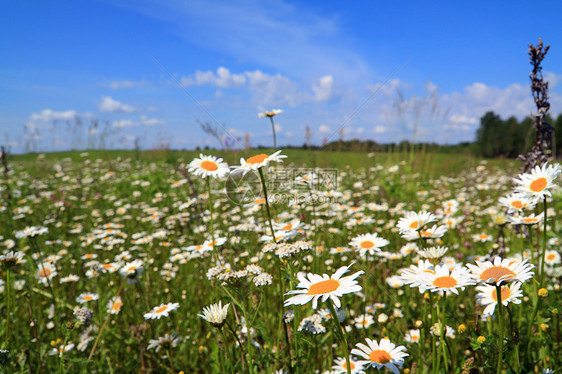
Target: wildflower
[[434, 254], [61, 349], [257, 161], [516, 202], [412, 336], [412, 275], [363, 321], [163, 310], [414, 221], [31, 232], [132, 271], [542, 292], [552, 257], [215, 314], [487, 296], [12, 258], [528, 220], [340, 366], [163, 341], [462, 328], [84, 315], [444, 279], [379, 355], [325, 287], [426, 233], [312, 324], [208, 166], [481, 339], [45, 273], [114, 305], [263, 279], [270, 113], [500, 271], [85, 297], [368, 243], [536, 184]]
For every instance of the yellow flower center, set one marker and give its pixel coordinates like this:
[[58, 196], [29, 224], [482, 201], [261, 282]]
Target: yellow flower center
[[88, 298], [530, 220], [415, 338], [538, 185], [505, 293], [323, 287], [116, 306], [351, 365], [425, 234], [496, 272], [380, 357], [483, 236], [445, 282], [161, 309], [288, 227], [517, 204], [209, 165], [45, 272], [257, 159], [550, 256], [414, 225], [367, 244]]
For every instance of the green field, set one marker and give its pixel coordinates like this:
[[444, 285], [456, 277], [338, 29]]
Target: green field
[[145, 245]]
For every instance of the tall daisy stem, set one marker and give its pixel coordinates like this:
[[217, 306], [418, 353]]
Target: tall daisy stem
[[340, 334], [217, 259], [8, 286], [273, 129], [443, 330], [500, 318], [543, 244], [267, 204]]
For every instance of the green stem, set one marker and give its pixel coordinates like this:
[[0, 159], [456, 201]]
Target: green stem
[[61, 364], [267, 204], [217, 259], [244, 361], [340, 334], [232, 360], [8, 286], [543, 244], [273, 129], [500, 318], [443, 329]]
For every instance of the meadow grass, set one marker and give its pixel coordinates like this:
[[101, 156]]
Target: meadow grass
[[130, 237]]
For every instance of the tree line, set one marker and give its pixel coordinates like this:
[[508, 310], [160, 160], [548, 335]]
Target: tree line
[[497, 137]]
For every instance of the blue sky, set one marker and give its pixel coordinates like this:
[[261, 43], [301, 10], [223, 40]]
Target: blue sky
[[151, 70]]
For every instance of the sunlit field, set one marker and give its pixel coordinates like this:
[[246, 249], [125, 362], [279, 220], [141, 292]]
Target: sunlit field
[[278, 262]]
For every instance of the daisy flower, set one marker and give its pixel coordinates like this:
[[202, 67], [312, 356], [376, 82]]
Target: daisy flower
[[257, 161], [412, 336], [412, 275], [482, 238], [45, 272], [501, 270], [363, 321], [433, 253], [85, 297], [536, 184], [426, 233], [215, 314], [516, 202], [114, 305], [12, 258], [552, 257], [270, 113], [208, 166], [325, 287], [162, 310], [340, 367], [415, 220], [379, 355], [529, 220], [444, 279], [487, 296], [368, 243]]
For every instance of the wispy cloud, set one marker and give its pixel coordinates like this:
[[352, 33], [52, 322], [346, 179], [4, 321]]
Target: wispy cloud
[[48, 115], [110, 105], [115, 85]]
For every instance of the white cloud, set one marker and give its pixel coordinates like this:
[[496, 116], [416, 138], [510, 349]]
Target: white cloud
[[323, 88], [223, 78], [110, 105], [124, 123], [459, 118], [48, 115], [147, 121], [379, 129], [115, 85], [324, 129]]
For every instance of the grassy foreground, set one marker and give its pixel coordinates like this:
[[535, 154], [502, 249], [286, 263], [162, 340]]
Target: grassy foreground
[[145, 245]]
